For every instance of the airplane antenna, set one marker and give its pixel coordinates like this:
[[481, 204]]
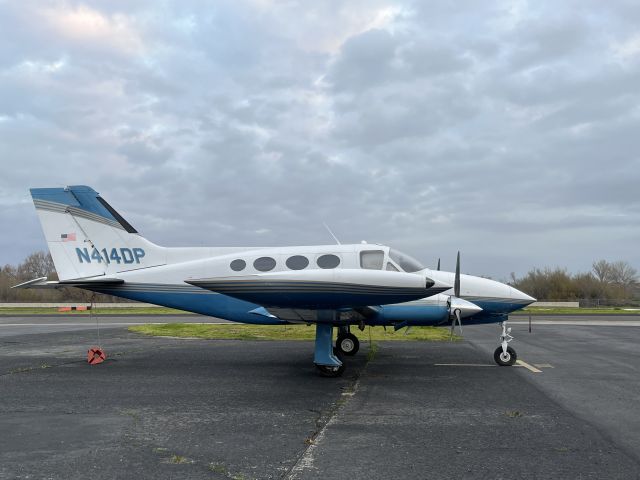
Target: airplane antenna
[[331, 233]]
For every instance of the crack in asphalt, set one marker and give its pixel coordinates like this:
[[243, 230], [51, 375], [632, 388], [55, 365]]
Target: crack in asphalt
[[305, 459]]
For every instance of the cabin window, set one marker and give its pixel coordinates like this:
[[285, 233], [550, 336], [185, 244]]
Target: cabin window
[[328, 261], [391, 267], [264, 264], [238, 265], [406, 263], [297, 262], [372, 259]]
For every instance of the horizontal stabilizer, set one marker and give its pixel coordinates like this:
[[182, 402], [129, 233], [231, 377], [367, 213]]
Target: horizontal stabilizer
[[42, 282], [34, 283]]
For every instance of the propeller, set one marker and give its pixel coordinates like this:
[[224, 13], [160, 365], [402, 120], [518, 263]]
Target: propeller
[[454, 312], [456, 285], [459, 307], [456, 317], [438, 267]]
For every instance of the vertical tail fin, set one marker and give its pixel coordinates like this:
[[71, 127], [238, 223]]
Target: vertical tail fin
[[87, 237]]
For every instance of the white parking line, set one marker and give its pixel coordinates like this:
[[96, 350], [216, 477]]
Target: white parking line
[[464, 365], [581, 323], [519, 363]]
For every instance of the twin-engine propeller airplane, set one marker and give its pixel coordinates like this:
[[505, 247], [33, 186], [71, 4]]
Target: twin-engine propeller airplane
[[332, 286]]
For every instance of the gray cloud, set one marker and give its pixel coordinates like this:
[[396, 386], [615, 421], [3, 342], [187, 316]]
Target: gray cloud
[[505, 129]]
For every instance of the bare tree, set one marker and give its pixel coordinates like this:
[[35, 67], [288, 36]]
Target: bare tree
[[36, 265], [603, 271], [623, 274]]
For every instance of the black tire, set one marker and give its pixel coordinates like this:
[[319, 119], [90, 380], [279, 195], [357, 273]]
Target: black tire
[[332, 372], [503, 361], [348, 344]]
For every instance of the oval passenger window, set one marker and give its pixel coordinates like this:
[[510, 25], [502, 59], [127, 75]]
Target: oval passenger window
[[264, 264], [297, 262], [238, 265], [328, 261]]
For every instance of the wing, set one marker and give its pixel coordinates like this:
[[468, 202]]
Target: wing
[[324, 289]]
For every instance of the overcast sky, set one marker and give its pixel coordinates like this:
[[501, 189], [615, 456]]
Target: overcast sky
[[507, 129]]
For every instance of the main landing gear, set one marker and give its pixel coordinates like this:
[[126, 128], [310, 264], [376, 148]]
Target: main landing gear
[[326, 358], [329, 359], [347, 343], [505, 356]]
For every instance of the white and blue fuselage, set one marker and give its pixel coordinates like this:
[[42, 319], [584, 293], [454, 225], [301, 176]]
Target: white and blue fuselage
[[95, 248], [167, 285]]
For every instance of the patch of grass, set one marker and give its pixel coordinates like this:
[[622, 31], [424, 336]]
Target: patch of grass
[[371, 354], [179, 459], [97, 311], [135, 416], [235, 331], [217, 468], [29, 369], [20, 370], [514, 413]]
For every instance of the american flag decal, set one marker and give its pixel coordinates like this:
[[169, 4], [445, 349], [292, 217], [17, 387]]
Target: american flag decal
[[68, 237]]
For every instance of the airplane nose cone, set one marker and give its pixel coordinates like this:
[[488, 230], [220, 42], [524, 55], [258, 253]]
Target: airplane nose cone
[[466, 308], [521, 297]]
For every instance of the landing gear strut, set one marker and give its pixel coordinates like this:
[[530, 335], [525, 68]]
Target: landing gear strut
[[332, 371], [327, 362], [347, 343], [505, 356]]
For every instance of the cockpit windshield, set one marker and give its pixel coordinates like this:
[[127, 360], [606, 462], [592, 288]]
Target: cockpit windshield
[[407, 263]]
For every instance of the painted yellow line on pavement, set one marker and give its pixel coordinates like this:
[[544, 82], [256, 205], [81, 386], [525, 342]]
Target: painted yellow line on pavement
[[531, 368]]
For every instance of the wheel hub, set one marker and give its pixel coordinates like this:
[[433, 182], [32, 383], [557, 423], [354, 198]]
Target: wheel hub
[[347, 345]]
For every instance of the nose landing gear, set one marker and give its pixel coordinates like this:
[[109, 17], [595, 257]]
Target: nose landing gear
[[505, 356]]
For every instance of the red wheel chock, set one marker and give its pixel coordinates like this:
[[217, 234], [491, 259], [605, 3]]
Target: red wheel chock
[[95, 355]]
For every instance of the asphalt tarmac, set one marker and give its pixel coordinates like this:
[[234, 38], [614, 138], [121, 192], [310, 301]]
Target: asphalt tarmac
[[179, 408]]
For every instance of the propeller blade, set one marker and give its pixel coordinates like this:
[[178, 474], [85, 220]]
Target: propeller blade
[[456, 285], [459, 321], [438, 267], [456, 318]]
